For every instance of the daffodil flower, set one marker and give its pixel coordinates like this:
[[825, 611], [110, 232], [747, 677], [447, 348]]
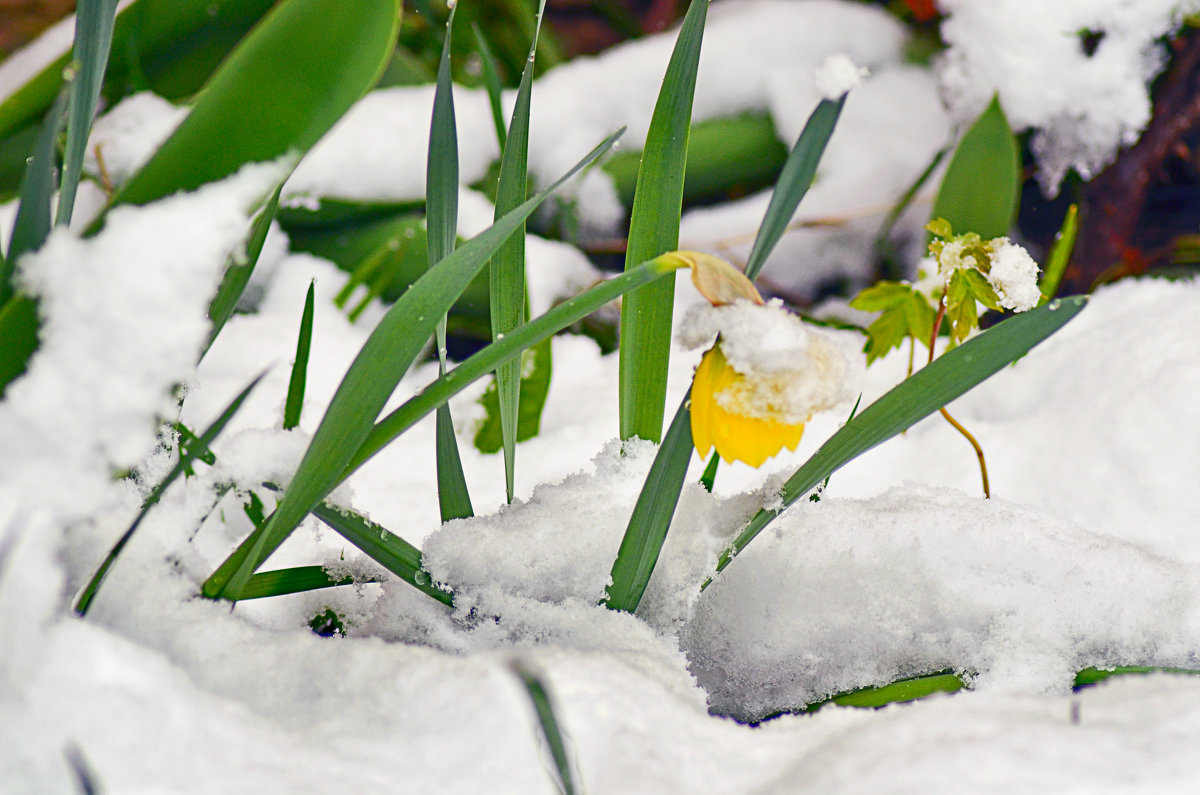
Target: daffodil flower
[[766, 374]]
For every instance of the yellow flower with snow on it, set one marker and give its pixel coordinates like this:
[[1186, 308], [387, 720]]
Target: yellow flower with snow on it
[[735, 429], [764, 377]]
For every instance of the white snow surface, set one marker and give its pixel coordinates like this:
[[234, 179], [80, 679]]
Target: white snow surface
[[1086, 556]]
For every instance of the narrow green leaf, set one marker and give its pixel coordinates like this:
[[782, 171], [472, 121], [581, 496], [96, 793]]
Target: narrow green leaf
[[485, 361], [543, 707], [88, 594], [927, 390], [371, 378], [295, 394], [18, 329], [240, 268], [93, 38], [281, 582], [1091, 676], [300, 68], [896, 692], [385, 548], [651, 518], [1060, 254], [441, 202], [981, 189], [506, 273], [794, 181], [654, 230], [32, 224], [491, 81], [709, 478]]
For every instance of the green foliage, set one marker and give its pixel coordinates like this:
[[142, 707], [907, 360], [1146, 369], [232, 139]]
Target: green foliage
[[1060, 254], [295, 393], [536, 364], [904, 313], [982, 186], [653, 230]]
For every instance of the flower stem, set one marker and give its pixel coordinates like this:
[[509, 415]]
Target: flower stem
[[937, 325]]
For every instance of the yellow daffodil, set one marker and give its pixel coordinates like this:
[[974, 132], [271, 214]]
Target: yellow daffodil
[[738, 431]]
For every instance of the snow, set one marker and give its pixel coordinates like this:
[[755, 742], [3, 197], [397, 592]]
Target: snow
[[1087, 555], [837, 75]]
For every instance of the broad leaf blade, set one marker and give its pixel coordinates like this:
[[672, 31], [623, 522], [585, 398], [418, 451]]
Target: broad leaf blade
[[654, 230], [300, 69], [981, 188], [929, 389]]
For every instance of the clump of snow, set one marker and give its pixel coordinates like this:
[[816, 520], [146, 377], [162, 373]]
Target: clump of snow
[[1083, 106], [128, 134], [1014, 275], [790, 370], [837, 75]]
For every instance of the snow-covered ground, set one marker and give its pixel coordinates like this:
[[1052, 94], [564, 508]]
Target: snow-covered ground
[[1086, 556]]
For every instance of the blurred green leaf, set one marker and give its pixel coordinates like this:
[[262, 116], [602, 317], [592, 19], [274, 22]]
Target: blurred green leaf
[[543, 707], [653, 230], [981, 189], [536, 365], [1060, 254]]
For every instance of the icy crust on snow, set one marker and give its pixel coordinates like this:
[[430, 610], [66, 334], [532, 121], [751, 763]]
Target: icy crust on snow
[[1082, 107]]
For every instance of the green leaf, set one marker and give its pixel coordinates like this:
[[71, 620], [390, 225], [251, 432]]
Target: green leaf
[[651, 518], [18, 329], [93, 38], [888, 331], [929, 389], [1060, 254], [543, 707], [295, 393], [960, 305], [300, 69], [653, 230], [240, 268], [536, 366], [897, 692], [980, 290], [369, 382], [1091, 676], [881, 296], [919, 317], [384, 547], [709, 478], [794, 181], [981, 189], [485, 361], [441, 201], [491, 81], [288, 581], [186, 455], [506, 273]]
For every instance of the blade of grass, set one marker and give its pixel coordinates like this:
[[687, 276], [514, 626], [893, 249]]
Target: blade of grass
[[88, 594], [506, 272], [651, 518], [240, 268], [1060, 254], [295, 394], [543, 707], [450, 384], [18, 313], [300, 68], [369, 382], [441, 203], [1091, 676], [924, 392], [288, 581], [93, 39], [794, 181], [491, 81], [384, 547], [653, 230]]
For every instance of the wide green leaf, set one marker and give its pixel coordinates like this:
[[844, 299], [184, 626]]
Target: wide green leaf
[[982, 186], [299, 69], [924, 392], [654, 230]]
